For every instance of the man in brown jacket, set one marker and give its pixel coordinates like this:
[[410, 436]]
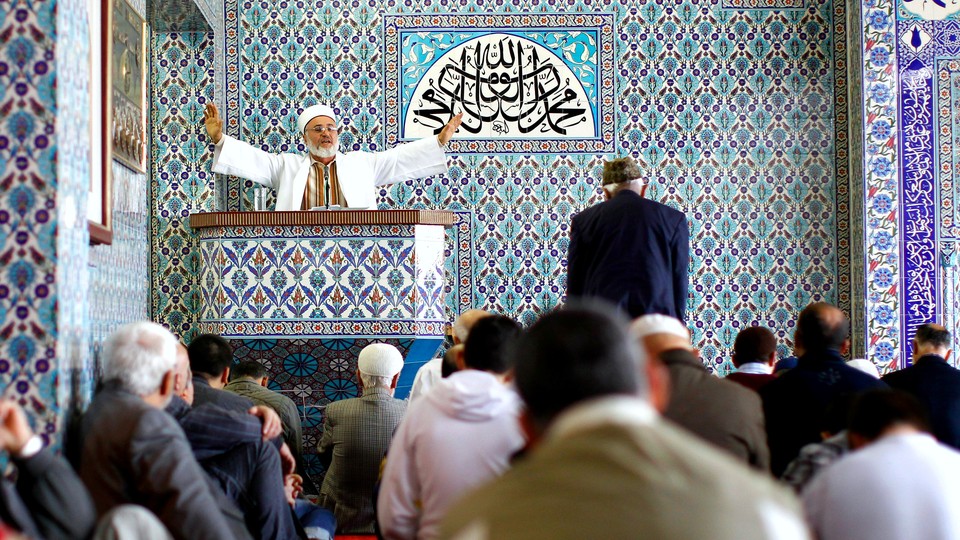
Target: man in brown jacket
[[718, 411]]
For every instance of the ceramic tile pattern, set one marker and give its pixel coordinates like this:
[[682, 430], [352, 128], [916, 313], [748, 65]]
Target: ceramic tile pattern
[[118, 275], [28, 221], [182, 81]]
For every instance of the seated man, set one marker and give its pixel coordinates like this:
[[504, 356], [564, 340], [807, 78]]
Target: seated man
[[356, 434], [460, 435], [720, 412], [249, 379], [800, 405], [754, 352], [240, 454], [934, 382], [898, 482], [47, 500], [602, 463], [133, 452], [210, 359]]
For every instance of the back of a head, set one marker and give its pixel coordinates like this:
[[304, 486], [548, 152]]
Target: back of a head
[[754, 344], [379, 364], [933, 335], [656, 333], [574, 354], [875, 411], [620, 172], [463, 324], [137, 355], [449, 364], [248, 368], [821, 327], [209, 354], [487, 347]]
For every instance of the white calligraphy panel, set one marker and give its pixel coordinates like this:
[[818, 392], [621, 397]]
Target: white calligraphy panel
[[507, 86], [530, 83]]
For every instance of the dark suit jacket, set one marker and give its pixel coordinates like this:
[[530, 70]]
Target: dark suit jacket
[[212, 430], [937, 385], [48, 500], [203, 393], [633, 252], [808, 401], [720, 412], [135, 453]]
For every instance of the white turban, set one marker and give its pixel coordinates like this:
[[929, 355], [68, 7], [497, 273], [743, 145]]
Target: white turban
[[380, 360], [312, 112], [649, 325]]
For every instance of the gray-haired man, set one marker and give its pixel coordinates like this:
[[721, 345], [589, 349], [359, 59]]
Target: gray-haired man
[[629, 250]]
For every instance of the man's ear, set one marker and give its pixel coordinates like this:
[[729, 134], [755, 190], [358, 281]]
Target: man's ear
[[225, 376], [856, 440], [166, 384], [947, 356], [461, 363], [845, 346], [529, 429], [658, 380], [393, 383], [772, 359], [264, 381]]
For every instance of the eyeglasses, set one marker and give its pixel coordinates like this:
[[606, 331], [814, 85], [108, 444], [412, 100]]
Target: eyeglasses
[[321, 129]]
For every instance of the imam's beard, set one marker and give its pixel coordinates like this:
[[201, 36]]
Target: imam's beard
[[318, 151]]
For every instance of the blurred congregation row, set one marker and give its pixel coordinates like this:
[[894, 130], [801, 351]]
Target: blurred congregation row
[[584, 425]]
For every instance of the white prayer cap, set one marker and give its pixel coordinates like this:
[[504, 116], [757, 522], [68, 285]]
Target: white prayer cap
[[865, 366], [649, 325], [380, 360], [312, 112]]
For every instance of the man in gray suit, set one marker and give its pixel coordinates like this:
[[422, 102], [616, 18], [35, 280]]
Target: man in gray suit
[[134, 452], [602, 463], [356, 434]]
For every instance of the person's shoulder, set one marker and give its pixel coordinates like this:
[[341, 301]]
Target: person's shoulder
[[733, 392], [665, 211]]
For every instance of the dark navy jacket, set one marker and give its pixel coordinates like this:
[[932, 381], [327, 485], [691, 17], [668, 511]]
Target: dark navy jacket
[[807, 401], [937, 385], [633, 252]]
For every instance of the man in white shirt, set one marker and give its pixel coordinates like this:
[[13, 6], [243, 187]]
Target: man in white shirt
[[898, 483], [458, 436], [754, 352], [431, 372], [326, 177]]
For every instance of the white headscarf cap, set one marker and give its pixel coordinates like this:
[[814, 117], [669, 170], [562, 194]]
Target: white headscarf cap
[[312, 112], [380, 360]]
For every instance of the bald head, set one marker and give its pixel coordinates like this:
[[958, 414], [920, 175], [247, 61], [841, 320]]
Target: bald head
[[822, 327], [931, 339], [463, 324]]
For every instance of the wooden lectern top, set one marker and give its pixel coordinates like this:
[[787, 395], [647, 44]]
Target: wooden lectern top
[[329, 217]]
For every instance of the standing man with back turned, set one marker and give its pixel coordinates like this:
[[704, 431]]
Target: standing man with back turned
[[629, 250], [325, 176]]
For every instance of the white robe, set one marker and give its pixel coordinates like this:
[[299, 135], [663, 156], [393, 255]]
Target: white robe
[[359, 173]]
